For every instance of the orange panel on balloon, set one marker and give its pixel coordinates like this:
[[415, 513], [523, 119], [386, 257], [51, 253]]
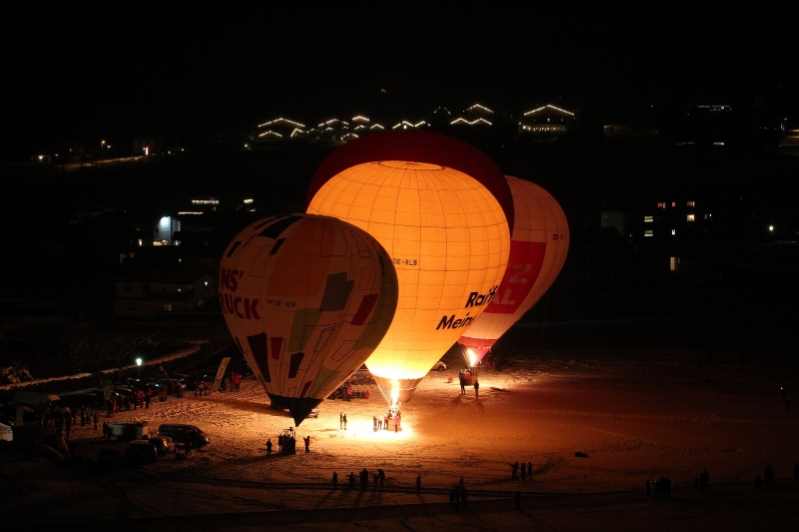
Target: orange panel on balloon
[[448, 238]]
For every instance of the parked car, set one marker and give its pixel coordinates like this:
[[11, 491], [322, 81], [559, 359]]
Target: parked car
[[188, 435]]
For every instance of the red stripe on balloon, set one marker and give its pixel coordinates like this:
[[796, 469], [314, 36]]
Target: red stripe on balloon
[[367, 303], [524, 266]]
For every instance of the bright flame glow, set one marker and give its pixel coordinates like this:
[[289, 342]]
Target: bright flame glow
[[395, 391], [472, 356]]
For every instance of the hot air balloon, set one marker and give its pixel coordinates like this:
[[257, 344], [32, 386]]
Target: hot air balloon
[[306, 300], [538, 249], [440, 208]]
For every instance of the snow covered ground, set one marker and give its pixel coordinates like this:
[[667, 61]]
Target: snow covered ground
[[634, 420]]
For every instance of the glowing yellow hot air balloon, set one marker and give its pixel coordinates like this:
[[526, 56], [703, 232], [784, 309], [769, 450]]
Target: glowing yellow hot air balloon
[[445, 231], [538, 249], [306, 299]]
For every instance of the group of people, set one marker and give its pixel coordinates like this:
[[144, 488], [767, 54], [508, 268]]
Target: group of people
[[287, 443], [468, 377], [521, 470], [391, 421], [378, 479], [202, 388], [342, 421]]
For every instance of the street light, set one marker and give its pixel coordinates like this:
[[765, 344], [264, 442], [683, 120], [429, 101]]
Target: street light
[[139, 361]]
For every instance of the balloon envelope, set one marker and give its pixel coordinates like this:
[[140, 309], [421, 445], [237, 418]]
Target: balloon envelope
[[306, 299], [538, 249], [448, 238]]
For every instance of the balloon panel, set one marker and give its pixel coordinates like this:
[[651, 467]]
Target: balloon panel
[[539, 246], [306, 298], [448, 239]]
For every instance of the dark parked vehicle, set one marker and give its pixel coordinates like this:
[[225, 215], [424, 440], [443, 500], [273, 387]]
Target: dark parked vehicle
[[188, 435]]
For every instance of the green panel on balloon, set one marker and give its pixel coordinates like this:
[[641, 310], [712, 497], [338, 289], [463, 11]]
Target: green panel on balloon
[[337, 290], [302, 327]]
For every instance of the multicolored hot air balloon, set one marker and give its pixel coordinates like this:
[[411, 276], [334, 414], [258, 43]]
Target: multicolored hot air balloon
[[441, 209], [538, 249], [306, 299]]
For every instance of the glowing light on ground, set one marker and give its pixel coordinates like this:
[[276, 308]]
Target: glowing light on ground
[[363, 430]]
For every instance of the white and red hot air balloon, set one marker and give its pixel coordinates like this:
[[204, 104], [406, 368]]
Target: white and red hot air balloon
[[539, 245]]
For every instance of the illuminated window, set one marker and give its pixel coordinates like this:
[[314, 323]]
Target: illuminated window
[[673, 204], [690, 217], [649, 219], [661, 205], [205, 201], [690, 203], [674, 263], [248, 201], [649, 233], [673, 232]]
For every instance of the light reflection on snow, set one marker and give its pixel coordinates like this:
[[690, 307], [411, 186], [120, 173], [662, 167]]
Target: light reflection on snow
[[363, 429]]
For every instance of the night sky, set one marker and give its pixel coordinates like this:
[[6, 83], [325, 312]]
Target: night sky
[[75, 73]]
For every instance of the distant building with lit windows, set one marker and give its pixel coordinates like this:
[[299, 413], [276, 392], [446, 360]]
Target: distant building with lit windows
[[476, 115], [547, 121], [279, 129]]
